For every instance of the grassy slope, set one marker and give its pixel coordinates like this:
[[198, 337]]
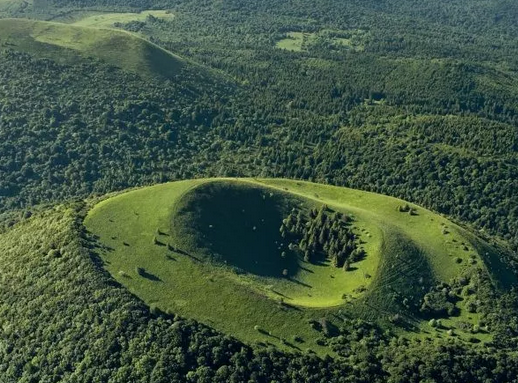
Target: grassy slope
[[106, 20], [63, 43], [127, 224], [409, 247], [9, 5], [226, 221]]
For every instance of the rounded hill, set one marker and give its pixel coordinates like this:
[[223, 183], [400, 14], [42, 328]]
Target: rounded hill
[[70, 43], [266, 259]]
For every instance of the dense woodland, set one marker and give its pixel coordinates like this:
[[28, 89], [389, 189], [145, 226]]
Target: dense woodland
[[322, 236], [426, 110]]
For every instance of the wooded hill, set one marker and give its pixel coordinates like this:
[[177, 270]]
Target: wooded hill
[[411, 99]]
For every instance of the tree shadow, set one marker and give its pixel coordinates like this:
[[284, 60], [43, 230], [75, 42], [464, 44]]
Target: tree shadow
[[321, 262], [300, 283], [181, 252], [360, 257], [289, 344], [290, 306], [146, 274], [196, 259], [159, 243]]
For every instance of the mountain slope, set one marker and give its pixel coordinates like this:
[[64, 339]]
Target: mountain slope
[[65, 320], [68, 44], [211, 250], [75, 116]]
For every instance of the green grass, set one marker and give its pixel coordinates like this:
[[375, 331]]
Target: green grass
[[227, 274], [240, 223], [69, 44], [296, 41], [107, 20], [335, 39]]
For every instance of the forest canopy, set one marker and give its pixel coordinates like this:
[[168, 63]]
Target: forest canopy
[[408, 98]]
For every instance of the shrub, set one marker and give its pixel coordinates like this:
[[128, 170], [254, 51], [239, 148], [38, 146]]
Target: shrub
[[123, 274]]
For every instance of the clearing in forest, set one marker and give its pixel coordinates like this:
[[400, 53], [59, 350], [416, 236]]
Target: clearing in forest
[[324, 39], [295, 41]]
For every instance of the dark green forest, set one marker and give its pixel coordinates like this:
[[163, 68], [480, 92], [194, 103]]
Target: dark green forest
[[322, 236], [423, 106]]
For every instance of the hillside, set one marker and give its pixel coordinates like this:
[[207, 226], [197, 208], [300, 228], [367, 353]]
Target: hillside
[[212, 250], [111, 20], [198, 141], [68, 44], [65, 320], [8, 7], [74, 117]]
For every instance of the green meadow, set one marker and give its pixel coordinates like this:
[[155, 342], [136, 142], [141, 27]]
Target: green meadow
[[107, 20], [295, 41], [210, 249], [70, 44], [328, 38]]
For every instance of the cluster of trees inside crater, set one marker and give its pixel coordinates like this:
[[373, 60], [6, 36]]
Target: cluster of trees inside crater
[[320, 235]]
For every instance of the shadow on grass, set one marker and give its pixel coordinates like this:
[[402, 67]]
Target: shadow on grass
[[237, 225], [192, 257], [289, 344], [300, 283], [146, 274], [290, 307], [179, 251]]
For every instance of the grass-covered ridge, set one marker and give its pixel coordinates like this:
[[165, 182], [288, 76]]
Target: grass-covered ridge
[[110, 20], [68, 44], [212, 250]]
